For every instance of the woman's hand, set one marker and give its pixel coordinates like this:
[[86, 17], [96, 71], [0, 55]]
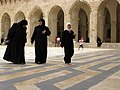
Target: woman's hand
[[44, 31]]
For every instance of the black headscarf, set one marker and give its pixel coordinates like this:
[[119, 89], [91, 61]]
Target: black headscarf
[[23, 22], [43, 22]]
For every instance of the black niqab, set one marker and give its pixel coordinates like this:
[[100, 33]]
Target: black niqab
[[23, 22]]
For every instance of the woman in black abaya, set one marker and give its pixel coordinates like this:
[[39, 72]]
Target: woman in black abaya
[[67, 42], [40, 37], [16, 42]]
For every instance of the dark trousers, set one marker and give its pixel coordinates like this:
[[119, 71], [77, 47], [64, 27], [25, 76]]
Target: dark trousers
[[68, 55], [67, 59], [81, 46]]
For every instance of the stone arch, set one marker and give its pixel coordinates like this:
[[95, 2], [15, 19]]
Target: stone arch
[[104, 2], [106, 5], [5, 25], [34, 16], [82, 25], [78, 10], [56, 21], [77, 2], [34, 9], [19, 16]]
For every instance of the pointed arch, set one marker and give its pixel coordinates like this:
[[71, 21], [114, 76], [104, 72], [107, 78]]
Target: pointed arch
[[19, 16], [5, 25], [34, 16], [107, 21], [56, 21], [75, 15]]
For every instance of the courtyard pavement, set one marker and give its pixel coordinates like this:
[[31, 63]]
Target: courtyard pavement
[[91, 69]]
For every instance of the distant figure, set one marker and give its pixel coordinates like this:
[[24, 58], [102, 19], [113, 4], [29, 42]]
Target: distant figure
[[99, 42], [81, 43], [67, 42], [16, 42], [55, 40], [40, 37], [58, 41]]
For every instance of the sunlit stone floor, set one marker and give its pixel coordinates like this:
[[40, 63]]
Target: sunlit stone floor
[[91, 69]]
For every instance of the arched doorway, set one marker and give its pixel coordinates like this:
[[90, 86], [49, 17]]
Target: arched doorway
[[19, 16], [56, 22], [107, 26], [60, 23], [108, 21], [82, 25], [5, 25], [34, 18], [80, 17]]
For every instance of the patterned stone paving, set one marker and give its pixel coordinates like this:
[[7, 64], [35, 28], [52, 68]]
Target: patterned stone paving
[[90, 70]]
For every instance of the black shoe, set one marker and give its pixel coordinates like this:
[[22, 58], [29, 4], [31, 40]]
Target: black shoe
[[15, 63]]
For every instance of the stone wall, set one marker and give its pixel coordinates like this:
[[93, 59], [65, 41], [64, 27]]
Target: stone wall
[[32, 10]]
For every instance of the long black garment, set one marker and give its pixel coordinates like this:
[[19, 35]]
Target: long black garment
[[40, 43], [99, 42], [15, 48], [67, 43]]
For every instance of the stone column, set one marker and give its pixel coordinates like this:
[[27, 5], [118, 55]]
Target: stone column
[[66, 19], [12, 19], [28, 32], [46, 19], [47, 24], [53, 28], [93, 27], [113, 31], [27, 17]]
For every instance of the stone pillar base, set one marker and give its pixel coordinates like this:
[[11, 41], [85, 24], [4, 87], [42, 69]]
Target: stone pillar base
[[93, 45]]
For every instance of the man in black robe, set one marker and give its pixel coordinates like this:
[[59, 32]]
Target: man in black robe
[[68, 44], [2, 40], [99, 42], [40, 37], [16, 42]]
